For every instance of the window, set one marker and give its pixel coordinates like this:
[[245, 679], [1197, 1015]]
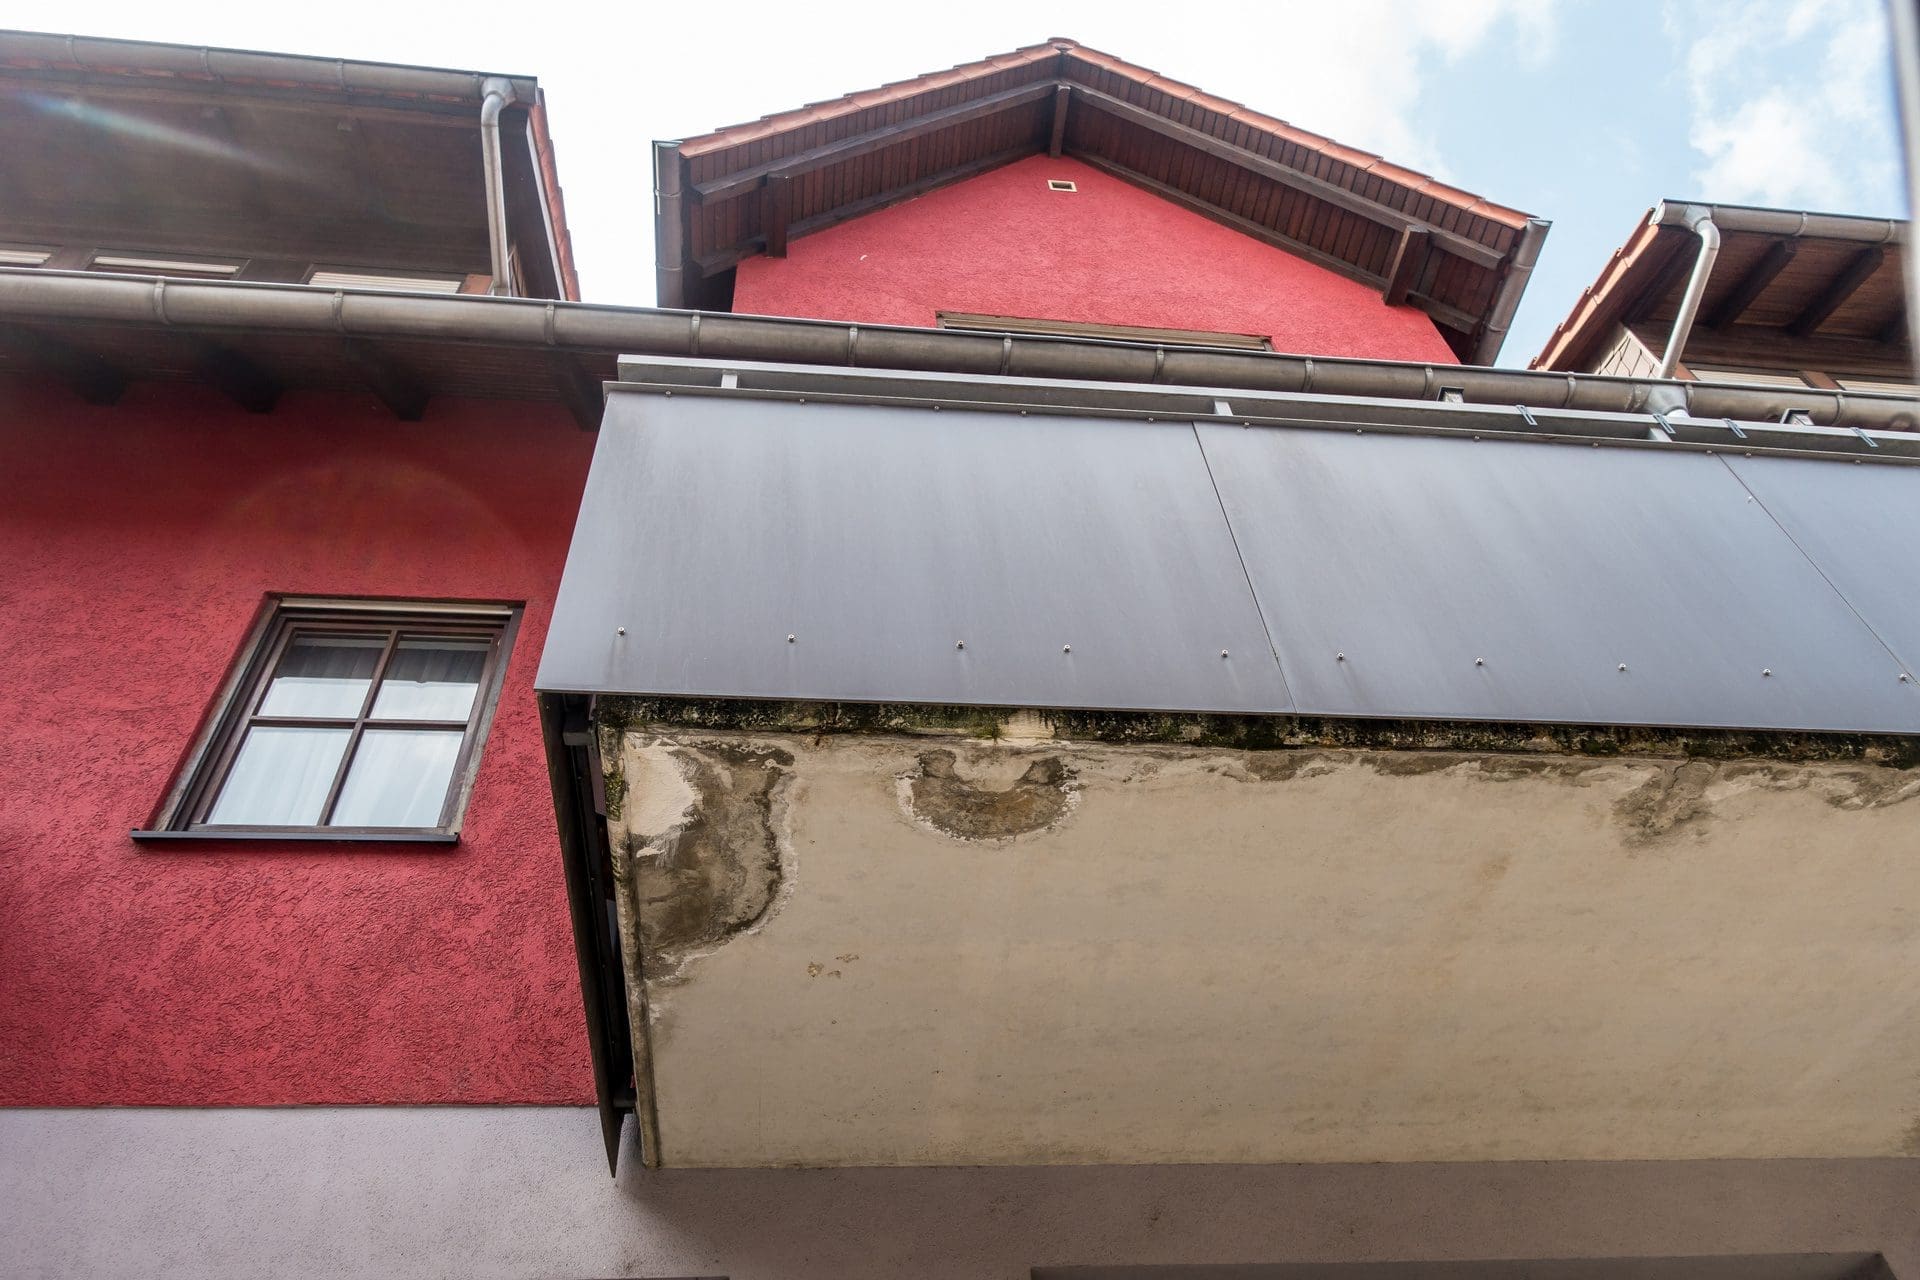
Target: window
[[348, 720], [162, 265], [1748, 377], [1878, 387], [17, 256], [332, 278]]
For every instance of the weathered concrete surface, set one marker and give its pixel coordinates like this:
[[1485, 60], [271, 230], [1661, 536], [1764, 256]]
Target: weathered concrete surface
[[486, 1193], [1047, 952]]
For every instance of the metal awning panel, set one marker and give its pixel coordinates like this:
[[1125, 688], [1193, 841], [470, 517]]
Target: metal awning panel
[[1435, 578], [1861, 525], [957, 557], [1095, 559]]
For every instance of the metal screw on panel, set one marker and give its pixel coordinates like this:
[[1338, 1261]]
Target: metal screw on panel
[[619, 631], [789, 637], [1766, 671], [1623, 666], [1479, 662], [936, 408], [1903, 677], [1067, 648], [1339, 657], [959, 644], [1223, 653]]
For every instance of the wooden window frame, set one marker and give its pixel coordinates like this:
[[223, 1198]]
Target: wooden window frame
[[183, 815]]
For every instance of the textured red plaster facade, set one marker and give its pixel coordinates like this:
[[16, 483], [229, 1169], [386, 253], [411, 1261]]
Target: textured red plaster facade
[[137, 542], [1108, 253]]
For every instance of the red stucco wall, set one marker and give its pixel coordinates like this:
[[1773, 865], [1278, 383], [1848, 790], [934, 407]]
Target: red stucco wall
[[136, 543], [1111, 253]]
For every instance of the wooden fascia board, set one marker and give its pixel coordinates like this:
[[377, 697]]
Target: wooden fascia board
[[1320, 189], [746, 180]]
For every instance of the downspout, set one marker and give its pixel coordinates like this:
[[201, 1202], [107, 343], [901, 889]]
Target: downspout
[[499, 93], [1700, 220], [1905, 21]]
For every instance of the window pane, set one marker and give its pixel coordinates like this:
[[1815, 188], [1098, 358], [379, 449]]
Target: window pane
[[280, 778], [431, 680], [398, 778], [323, 676]]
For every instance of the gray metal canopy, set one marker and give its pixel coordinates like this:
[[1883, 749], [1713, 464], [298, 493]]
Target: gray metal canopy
[[762, 544]]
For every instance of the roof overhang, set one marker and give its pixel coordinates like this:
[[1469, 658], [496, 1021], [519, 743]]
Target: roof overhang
[[749, 189], [1827, 284], [272, 157], [98, 333]]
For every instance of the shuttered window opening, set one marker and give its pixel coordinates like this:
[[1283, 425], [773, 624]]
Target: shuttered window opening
[[328, 279], [16, 257], [1752, 377], [142, 264]]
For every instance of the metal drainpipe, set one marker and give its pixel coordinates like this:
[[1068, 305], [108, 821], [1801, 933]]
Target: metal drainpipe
[[499, 93], [1700, 221]]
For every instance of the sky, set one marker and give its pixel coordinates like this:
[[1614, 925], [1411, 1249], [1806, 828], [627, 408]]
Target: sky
[[1585, 112]]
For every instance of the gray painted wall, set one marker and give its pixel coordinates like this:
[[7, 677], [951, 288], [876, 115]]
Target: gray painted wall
[[523, 1192]]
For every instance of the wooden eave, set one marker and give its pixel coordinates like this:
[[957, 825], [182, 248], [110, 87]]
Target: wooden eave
[[1773, 300], [155, 148], [750, 188]]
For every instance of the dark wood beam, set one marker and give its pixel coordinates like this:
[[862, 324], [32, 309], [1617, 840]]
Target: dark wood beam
[[1751, 285], [1408, 257], [237, 377], [1447, 314], [93, 379], [389, 379], [580, 390], [863, 143], [1835, 295], [714, 264], [776, 206], [1287, 176], [1062, 99], [1682, 249]]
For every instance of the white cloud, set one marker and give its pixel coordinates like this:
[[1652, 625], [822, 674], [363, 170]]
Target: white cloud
[[1790, 103]]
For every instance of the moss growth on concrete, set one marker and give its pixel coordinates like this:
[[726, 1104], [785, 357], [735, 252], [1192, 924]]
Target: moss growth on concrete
[[1253, 733]]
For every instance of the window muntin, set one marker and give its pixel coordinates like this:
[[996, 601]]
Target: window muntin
[[351, 719]]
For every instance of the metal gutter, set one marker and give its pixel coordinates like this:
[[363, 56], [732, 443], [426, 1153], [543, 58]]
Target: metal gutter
[[1512, 285], [43, 51], [1732, 218], [669, 227], [1699, 220], [37, 296], [1904, 18]]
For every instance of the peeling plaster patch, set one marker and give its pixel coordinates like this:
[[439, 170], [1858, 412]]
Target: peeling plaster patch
[[1678, 797], [705, 835], [935, 795]]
